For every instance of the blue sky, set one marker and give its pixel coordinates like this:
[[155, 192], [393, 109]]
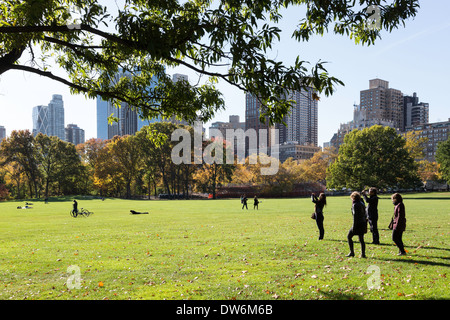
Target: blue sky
[[412, 59]]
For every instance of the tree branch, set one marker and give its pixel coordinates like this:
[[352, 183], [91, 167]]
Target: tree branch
[[50, 75]]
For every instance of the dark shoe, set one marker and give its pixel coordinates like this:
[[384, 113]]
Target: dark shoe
[[351, 254], [363, 256]]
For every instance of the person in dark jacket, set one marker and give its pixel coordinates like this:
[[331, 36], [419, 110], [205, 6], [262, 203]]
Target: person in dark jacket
[[318, 211], [244, 202], [255, 203], [75, 206], [372, 213], [359, 226], [399, 222]]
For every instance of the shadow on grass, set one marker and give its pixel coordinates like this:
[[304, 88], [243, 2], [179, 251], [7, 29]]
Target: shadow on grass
[[427, 198], [416, 261]]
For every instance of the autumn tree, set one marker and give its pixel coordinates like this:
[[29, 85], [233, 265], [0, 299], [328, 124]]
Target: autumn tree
[[20, 148], [223, 40], [443, 158], [214, 171], [315, 168], [124, 155]]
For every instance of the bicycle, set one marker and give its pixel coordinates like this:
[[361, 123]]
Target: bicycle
[[83, 212]]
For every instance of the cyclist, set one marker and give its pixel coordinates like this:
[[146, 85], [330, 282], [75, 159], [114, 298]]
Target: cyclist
[[75, 207]]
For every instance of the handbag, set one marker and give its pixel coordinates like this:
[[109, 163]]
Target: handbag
[[391, 224], [313, 216]]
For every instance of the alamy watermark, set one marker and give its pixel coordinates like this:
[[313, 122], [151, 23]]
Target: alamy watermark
[[373, 21], [74, 9], [74, 280], [258, 142], [374, 281]]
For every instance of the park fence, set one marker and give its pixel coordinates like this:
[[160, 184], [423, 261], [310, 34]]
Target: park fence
[[262, 191]]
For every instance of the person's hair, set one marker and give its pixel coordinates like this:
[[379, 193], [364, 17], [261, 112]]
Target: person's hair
[[398, 197], [373, 189], [323, 198], [355, 196]]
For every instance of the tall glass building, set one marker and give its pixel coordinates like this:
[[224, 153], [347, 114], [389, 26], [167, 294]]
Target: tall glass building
[[129, 121], [49, 119]]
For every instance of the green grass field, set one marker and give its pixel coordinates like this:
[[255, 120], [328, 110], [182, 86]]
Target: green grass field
[[211, 249]]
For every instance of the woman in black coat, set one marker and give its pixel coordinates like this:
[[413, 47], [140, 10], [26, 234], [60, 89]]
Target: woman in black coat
[[372, 213], [318, 212], [359, 226]]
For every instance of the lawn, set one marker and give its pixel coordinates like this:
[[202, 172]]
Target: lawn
[[212, 249]]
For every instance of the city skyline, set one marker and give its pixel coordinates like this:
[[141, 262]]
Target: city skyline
[[412, 59]]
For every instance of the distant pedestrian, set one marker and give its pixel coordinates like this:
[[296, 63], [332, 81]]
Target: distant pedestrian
[[359, 226], [75, 206], [320, 202], [244, 202], [372, 213], [399, 225], [255, 203]]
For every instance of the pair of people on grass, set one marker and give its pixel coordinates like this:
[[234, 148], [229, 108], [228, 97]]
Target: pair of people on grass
[[362, 215], [244, 200]]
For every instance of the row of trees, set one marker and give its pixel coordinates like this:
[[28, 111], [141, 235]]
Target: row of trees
[[143, 164]]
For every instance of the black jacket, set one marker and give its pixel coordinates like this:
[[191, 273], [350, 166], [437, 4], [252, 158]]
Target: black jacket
[[318, 207], [359, 226], [372, 207]]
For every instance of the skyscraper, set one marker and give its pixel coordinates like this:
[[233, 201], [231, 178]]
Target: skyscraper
[[128, 120], [56, 117], [40, 121], [74, 134], [2, 133], [49, 119], [380, 102], [253, 108], [301, 122], [415, 113]]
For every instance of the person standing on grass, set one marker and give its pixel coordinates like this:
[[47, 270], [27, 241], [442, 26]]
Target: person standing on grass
[[75, 206], [399, 222], [244, 202], [318, 212], [255, 203], [359, 226], [372, 213]]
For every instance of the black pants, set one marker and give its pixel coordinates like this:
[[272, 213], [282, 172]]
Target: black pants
[[361, 240], [374, 229], [319, 222], [397, 238]]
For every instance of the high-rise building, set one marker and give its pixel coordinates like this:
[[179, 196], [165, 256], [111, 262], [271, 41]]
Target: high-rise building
[[102, 119], [40, 122], [74, 134], [302, 120], [380, 102], [415, 113], [128, 120], [49, 119], [2, 133], [55, 116], [253, 109]]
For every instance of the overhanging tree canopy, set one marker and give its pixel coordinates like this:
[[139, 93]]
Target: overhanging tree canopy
[[227, 40]]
